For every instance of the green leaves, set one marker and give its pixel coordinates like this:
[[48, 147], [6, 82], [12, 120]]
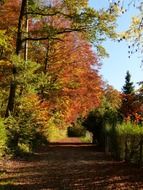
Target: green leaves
[[26, 75], [5, 46], [101, 51], [128, 88], [3, 138]]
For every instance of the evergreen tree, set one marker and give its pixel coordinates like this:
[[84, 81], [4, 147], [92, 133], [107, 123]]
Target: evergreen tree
[[128, 87]]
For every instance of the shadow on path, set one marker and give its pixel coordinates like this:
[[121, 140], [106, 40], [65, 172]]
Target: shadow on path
[[69, 167]]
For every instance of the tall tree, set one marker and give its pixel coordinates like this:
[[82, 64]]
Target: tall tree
[[93, 25], [12, 93], [128, 87], [128, 108]]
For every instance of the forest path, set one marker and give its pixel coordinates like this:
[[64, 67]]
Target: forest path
[[69, 167]]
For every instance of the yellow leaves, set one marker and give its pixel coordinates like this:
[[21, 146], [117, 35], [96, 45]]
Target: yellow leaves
[[5, 71], [136, 21], [123, 35], [135, 29], [29, 102], [5, 63], [117, 9], [76, 3]]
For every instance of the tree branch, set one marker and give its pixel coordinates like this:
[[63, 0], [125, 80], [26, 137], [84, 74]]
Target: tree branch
[[68, 30], [50, 14]]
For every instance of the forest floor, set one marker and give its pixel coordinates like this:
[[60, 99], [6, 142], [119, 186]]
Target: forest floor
[[69, 165]]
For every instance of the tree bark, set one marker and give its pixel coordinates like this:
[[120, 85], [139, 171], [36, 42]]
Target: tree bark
[[26, 30], [11, 99], [141, 153], [46, 59]]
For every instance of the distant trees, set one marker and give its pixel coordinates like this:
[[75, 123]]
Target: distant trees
[[106, 113], [116, 107]]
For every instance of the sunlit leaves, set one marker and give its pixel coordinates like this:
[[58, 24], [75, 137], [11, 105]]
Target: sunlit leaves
[[5, 46], [60, 81], [9, 15], [75, 5], [134, 34], [113, 98], [70, 63]]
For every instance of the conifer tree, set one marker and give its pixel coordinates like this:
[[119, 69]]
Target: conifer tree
[[128, 87], [128, 99]]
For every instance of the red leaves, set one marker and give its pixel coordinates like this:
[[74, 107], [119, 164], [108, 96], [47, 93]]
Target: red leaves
[[131, 107]]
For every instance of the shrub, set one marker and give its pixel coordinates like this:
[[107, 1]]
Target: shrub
[[54, 130], [3, 138], [87, 138], [76, 131], [126, 141], [21, 132]]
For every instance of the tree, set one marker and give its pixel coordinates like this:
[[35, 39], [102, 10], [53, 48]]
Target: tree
[[60, 78], [90, 23], [134, 34], [73, 86], [129, 103], [12, 93], [128, 87], [106, 114]]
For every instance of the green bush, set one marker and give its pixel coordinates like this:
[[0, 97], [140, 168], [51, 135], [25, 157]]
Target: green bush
[[76, 131], [3, 138], [87, 138], [22, 133], [126, 141]]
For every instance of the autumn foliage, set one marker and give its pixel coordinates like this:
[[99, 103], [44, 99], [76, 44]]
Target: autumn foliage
[[49, 73], [79, 84]]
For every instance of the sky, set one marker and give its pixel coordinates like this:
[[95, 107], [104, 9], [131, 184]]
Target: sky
[[114, 68]]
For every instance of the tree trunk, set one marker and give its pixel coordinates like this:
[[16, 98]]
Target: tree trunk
[[26, 30], [11, 98], [19, 32], [107, 145], [140, 153], [126, 150], [46, 59]]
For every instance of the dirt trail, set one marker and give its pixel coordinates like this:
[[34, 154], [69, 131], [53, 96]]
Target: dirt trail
[[69, 167]]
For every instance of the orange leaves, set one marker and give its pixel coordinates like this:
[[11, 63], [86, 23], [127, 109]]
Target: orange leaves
[[9, 13], [31, 103], [71, 62], [72, 87], [114, 97], [131, 107]]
